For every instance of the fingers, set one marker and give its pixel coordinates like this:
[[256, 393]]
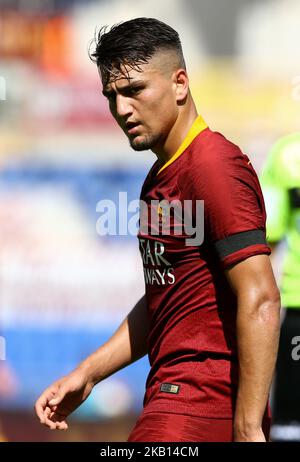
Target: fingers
[[59, 420], [48, 422], [54, 420], [42, 403], [46, 407]]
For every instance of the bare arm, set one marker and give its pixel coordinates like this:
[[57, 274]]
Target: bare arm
[[258, 326], [127, 344]]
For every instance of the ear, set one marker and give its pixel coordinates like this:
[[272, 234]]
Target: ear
[[181, 84]]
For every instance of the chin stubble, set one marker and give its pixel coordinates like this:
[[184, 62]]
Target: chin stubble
[[148, 143]]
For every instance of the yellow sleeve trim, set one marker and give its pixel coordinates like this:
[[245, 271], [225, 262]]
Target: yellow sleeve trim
[[198, 126]]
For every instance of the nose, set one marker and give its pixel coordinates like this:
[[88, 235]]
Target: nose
[[123, 106]]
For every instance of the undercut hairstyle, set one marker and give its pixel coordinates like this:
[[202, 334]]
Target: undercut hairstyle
[[133, 43]]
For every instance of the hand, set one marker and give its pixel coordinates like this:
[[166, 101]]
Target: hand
[[253, 436], [61, 398]]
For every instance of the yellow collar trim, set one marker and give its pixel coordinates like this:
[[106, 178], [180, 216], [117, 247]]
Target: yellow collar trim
[[198, 126]]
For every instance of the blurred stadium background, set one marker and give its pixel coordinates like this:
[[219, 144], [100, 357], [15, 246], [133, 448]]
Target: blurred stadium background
[[63, 288]]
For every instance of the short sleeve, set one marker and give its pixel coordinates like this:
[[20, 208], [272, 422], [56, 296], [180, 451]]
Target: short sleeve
[[234, 211]]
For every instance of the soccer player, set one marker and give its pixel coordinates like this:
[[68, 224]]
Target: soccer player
[[281, 185], [209, 318]]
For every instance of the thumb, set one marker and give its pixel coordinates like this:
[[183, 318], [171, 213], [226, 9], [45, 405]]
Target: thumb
[[57, 399]]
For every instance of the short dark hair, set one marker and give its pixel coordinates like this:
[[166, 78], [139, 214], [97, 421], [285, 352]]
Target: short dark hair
[[133, 43]]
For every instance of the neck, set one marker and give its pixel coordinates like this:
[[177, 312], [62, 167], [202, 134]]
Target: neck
[[177, 134]]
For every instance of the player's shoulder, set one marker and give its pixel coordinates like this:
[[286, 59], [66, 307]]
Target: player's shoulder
[[212, 163], [213, 150]]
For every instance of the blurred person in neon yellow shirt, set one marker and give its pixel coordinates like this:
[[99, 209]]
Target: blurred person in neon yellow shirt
[[280, 181]]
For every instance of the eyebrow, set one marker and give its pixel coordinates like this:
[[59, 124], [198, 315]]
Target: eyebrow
[[136, 83]]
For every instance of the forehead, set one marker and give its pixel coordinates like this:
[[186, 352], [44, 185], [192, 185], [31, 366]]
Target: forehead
[[127, 75]]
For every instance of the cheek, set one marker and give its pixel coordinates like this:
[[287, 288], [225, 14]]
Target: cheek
[[160, 94], [162, 104], [166, 112]]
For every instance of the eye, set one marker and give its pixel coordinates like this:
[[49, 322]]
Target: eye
[[133, 91]]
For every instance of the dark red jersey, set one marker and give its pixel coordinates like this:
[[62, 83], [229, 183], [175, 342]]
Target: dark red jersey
[[192, 310]]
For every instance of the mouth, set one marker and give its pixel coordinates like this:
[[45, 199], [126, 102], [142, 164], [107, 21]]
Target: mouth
[[132, 127]]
